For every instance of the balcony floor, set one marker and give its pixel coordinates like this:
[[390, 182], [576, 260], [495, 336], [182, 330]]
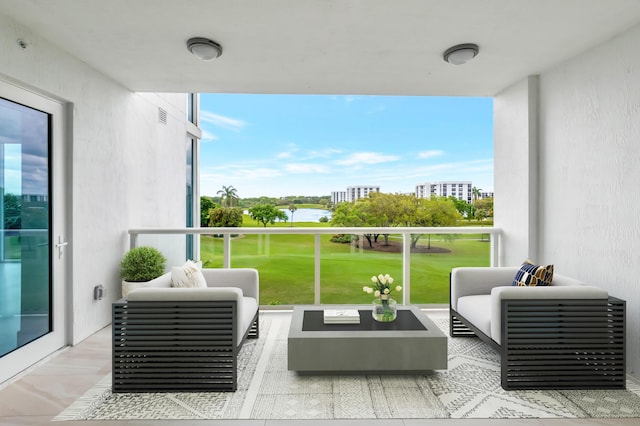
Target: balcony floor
[[41, 393]]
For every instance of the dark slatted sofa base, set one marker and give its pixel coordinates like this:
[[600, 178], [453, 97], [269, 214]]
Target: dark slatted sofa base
[[557, 344], [176, 346]]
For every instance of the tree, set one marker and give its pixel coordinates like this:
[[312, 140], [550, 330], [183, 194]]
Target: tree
[[483, 208], [475, 193], [12, 212], [345, 214], [433, 212], [481, 215], [206, 204], [228, 196], [385, 210], [225, 217], [388, 210], [464, 208], [362, 213], [266, 214], [292, 209]]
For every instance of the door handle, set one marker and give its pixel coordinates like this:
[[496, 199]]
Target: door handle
[[61, 245]]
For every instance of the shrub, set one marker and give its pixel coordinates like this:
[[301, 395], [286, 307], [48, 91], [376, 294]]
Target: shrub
[[225, 217], [142, 264], [323, 219], [344, 238]]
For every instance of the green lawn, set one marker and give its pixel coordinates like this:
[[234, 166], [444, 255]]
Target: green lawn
[[286, 266]]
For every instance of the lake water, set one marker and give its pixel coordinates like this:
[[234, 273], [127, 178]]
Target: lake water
[[307, 215]]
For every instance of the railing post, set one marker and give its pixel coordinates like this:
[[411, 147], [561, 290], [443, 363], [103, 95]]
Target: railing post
[[226, 251], [316, 262], [267, 245], [406, 268], [493, 250]]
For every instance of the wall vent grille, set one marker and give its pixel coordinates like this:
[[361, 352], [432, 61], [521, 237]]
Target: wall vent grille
[[162, 116]]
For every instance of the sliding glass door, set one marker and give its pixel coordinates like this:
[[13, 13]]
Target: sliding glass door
[[32, 244]]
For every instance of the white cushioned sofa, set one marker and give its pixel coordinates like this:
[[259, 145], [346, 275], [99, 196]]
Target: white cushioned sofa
[[184, 339], [565, 335]]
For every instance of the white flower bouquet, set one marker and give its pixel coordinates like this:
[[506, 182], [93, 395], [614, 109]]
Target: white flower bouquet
[[384, 307], [382, 286]]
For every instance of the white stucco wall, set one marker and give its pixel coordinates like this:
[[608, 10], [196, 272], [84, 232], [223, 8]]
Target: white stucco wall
[[588, 166], [590, 172], [128, 170], [515, 171]]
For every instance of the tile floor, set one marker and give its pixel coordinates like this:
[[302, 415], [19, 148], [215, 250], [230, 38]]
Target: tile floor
[[38, 395]]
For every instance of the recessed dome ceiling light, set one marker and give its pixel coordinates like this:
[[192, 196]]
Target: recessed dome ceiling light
[[204, 48], [460, 54]]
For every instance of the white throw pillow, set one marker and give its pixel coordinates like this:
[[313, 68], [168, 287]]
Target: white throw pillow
[[187, 276], [128, 286]]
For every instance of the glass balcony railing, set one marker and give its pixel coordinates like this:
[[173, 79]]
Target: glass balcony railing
[[331, 265]]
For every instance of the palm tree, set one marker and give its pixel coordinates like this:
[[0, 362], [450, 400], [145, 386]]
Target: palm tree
[[228, 196], [292, 209], [475, 193]]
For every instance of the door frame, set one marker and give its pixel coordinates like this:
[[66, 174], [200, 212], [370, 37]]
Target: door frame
[[23, 358]]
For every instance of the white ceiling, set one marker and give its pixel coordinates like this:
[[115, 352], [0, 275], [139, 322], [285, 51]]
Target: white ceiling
[[323, 46]]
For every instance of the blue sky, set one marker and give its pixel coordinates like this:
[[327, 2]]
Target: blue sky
[[277, 145]]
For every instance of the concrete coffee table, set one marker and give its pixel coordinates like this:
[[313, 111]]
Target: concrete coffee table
[[411, 343]]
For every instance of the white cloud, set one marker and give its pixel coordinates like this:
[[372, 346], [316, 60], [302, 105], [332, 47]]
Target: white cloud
[[367, 158], [303, 168], [259, 173], [438, 172], [431, 153], [208, 136], [222, 121], [324, 153], [292, 148], [244, 172], [239, 171]]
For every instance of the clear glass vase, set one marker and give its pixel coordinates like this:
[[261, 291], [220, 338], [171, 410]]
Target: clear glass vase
[[384, 310]]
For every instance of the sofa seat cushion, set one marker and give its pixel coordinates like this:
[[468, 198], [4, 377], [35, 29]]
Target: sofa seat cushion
[[249, 309], [477, 310]]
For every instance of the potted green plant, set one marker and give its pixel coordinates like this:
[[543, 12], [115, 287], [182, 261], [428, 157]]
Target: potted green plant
[[140, 265]]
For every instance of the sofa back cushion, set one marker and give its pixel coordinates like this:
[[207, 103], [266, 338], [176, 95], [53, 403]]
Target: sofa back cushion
[[563, 280], [468, 281]]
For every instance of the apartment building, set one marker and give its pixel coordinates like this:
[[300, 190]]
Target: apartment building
[[353, 193], [338, 197], [459, 189]]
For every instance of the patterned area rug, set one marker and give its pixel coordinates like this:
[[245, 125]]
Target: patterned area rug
[[469, 388]]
